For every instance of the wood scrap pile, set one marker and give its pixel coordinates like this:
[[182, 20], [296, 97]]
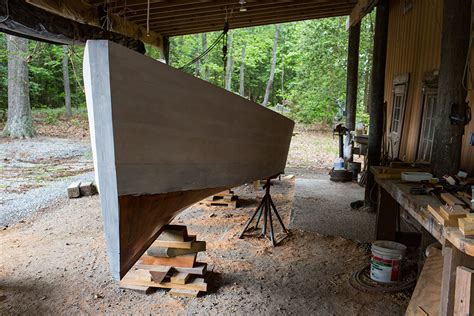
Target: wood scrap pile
[[78, 189], [224, 198], [170, 263]]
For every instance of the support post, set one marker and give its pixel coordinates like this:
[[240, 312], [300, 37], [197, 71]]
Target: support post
[[377, 100], [351, 87], [455, 35]]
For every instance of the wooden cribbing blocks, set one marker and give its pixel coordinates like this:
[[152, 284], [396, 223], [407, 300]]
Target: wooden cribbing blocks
[[224, 198], [170, 263]]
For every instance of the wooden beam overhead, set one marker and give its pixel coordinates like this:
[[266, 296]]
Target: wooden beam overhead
[[219, 13], [239, 24], [84, 13], [219, 20]]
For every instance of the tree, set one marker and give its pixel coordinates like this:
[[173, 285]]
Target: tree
[[204, 68], [67, 86], [19, 120], [272, 69], [242, 74], [229, 64]]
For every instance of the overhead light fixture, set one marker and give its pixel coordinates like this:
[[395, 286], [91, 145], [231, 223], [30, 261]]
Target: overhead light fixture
[[242, 5]]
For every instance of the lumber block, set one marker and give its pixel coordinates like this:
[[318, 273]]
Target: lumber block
[[184, 293], [199, 268], [87, 188], [173, 244], [73, 190], [196, 246], [450, 199], [179, 278], [464, 292], [159, 276], [137, 288], [196, 284], [173, 233], [186, 261], [446, 216]]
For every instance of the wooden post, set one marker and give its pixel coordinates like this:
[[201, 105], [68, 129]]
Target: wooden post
[[464, 293], [351, 85], [377, 100], [447, 142]]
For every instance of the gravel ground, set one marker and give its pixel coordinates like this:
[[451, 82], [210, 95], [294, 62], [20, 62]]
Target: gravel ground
[[36, 172]]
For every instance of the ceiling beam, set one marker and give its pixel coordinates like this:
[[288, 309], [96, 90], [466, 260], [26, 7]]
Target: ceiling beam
[[241, 24], [81, 12], [220, 19], [216, 12], [219, 5]]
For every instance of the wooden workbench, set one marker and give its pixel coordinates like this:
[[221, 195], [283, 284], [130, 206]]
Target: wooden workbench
[[393, 198]]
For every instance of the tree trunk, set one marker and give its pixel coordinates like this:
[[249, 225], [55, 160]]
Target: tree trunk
[[242, 70], [447, 143], [229, 65], [204, 67], [272, 70], [197, 72], [67, 86], [377, 89], [19, 121], [351, 86]]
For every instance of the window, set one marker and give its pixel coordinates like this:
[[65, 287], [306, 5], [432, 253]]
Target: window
[[427, 129], [400, 89]]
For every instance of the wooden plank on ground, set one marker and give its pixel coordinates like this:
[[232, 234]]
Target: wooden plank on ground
[[73, 190], [199, 268], [186, 261], [197, 284], [464, 292], [173, 233], [184, 293], [137, 288], [87, 188], [197, 246]]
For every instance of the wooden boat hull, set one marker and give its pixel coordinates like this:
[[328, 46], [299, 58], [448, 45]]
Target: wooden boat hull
[[163, 140]]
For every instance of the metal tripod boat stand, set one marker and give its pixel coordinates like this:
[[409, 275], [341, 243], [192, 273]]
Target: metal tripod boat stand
[[265, 208]]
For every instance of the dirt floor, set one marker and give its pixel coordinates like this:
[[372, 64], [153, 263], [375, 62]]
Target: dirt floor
[[53, 258], [55, 263]]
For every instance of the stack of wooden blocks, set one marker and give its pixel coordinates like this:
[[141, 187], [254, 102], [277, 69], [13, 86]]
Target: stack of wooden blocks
[[224, 198], [170, 262]]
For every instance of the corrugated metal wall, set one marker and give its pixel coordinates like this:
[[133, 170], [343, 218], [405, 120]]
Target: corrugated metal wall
[[414, 42]]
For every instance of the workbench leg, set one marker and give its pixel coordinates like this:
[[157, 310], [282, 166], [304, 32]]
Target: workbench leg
[[388, 212], [452, 258]]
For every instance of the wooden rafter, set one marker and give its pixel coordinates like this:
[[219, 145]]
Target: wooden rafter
[[170, 17], [84, 13]]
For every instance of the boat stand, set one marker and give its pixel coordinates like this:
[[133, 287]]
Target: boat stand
[[265, 208]]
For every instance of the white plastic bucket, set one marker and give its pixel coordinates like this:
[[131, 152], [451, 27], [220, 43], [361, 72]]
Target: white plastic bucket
[[386, 261]]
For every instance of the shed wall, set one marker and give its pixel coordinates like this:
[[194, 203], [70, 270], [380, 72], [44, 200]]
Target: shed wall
[[414, 46]]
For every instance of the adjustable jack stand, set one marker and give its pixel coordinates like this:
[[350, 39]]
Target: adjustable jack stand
[[266, 207]]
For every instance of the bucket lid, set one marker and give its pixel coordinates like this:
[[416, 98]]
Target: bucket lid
[[387, 246]]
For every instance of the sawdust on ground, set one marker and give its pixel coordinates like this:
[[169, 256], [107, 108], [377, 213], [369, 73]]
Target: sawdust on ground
[[55, 263]]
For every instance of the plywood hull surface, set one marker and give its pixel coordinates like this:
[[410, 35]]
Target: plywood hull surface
[[163, 140]]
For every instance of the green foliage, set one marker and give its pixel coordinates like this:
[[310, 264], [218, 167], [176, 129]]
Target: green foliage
[[46, 76], [310, 77]]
